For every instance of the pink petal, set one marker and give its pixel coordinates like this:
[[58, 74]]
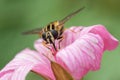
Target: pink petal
[[6, 76], [43, 49], [82, 49], [26, 60], [5, 72], [110, 42], [82, 55]]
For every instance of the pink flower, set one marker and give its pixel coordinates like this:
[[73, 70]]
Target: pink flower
[[81, 51]]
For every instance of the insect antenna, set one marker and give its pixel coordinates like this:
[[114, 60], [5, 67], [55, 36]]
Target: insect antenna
[[70, 16]]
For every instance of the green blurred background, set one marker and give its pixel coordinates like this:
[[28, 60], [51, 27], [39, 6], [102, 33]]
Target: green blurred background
[[17, 16]]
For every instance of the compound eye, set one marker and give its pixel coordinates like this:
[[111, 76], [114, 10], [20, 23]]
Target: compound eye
[[44, 36], [54, 33]]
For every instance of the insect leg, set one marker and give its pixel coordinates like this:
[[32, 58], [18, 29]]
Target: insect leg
[[60, 39], [45, 44], [54, 46]]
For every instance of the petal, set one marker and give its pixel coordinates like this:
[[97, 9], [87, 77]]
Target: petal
[[110, 42], [26, 60], [8, 72], [43, 49], [82, 55], [6, 76], [69, 36]]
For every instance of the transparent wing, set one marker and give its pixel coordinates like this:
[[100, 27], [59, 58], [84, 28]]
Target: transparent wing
[[34, 31], [65, 19]]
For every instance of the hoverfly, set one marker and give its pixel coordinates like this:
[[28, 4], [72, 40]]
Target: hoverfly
[[53, 31]]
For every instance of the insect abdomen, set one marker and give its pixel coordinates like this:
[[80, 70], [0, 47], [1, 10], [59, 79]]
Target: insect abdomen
[[48, 28]]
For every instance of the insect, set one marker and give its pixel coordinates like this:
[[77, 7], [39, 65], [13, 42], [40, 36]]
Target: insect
[[53, 31]]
